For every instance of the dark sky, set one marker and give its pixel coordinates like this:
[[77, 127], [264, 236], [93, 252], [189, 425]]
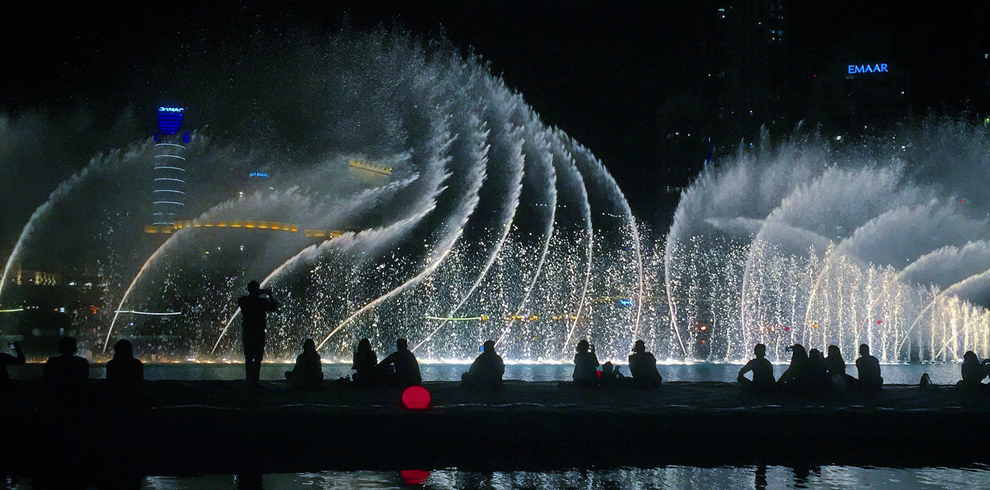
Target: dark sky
[[599, 70]]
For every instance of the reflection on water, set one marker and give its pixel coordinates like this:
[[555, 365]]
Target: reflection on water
[[672, 477], [892, 374]]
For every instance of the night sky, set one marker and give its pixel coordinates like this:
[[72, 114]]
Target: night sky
[[598, 70]]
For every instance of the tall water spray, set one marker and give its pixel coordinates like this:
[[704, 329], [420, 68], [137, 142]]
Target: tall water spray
[[880, 242], [486, 224]]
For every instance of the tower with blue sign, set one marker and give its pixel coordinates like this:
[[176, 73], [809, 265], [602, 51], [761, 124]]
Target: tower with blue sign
[[169, 185]]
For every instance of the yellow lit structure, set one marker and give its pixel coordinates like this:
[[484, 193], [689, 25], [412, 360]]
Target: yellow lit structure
[[248, 224], [369, 167]]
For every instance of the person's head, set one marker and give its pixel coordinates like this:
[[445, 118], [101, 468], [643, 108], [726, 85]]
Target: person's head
[[970, 356], [582, 346], [607, 367], [639, 347], [67, 346], [815, 355], [309, 346], [253, 288], [489, 346], [402, 344], [798, 354], [364, 345], [833, 350], [123, 349], [760, 350], [864, 350]]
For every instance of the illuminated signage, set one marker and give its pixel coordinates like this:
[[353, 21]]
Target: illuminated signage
[[875, 68], [169, 119], [263, 175]]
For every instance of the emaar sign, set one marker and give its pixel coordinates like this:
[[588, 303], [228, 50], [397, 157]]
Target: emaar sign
[[875, 68]]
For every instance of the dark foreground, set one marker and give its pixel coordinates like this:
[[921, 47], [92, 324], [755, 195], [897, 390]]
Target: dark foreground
[[193, 427]]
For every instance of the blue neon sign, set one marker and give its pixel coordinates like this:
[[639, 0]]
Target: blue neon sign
[[170, 119], [263, 175], [874, 68]]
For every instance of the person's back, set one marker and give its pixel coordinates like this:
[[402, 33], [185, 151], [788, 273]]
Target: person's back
[[254, 308], [643, 367], [868, 369], [973, 372], [585, 365], [9, 360], [796, 379], [307, 374], [487, 369], [66, 375], [365, 362], [406, 368], [125, 375], [762, 369]]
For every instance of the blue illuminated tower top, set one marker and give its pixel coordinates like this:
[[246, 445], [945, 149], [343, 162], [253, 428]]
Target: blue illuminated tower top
[[169, 119]]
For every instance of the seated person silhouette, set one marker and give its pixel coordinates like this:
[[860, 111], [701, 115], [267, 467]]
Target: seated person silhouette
[[307, 374], [486, 371], [365, 361], [796, 380], [868, 368], [643, 367], [762, 382], [125, 375], [819, 373], [65, 376], [9, 360], [585, 366], [400, 368], [973, 372], [835, 366]]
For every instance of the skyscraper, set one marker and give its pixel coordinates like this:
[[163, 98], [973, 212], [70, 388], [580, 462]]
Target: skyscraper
[[169, 185]]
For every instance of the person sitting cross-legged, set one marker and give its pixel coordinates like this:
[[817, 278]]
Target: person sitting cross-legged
[[643, 367], [307, 374], [486, 371], [762, 382], [869, 371]]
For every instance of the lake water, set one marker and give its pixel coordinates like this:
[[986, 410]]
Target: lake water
[[892, 373], [666, 477]]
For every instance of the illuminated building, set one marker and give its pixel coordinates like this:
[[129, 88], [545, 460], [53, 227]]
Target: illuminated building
[[169, 185]]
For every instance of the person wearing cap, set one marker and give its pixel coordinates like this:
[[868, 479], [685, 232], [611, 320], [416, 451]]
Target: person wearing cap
[[254, 308], [762, 382], [486, 371], [643, 367]]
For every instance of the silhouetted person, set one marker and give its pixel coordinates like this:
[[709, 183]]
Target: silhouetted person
[[486, 371], [835, 366], [585, 365], [9, 360], [973, 372], [868, 368], [365, 362], [65, 376], [819, 374], [254, 307], [125, 375], [762, 382], [643, 367], [400, 367], [307, 374], [796, 378]]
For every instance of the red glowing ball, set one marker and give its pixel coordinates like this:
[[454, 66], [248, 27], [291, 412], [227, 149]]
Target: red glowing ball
[[414, 477], [416, 398]]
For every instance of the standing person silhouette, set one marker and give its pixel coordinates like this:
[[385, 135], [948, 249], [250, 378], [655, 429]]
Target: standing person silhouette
[[254, 306]]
